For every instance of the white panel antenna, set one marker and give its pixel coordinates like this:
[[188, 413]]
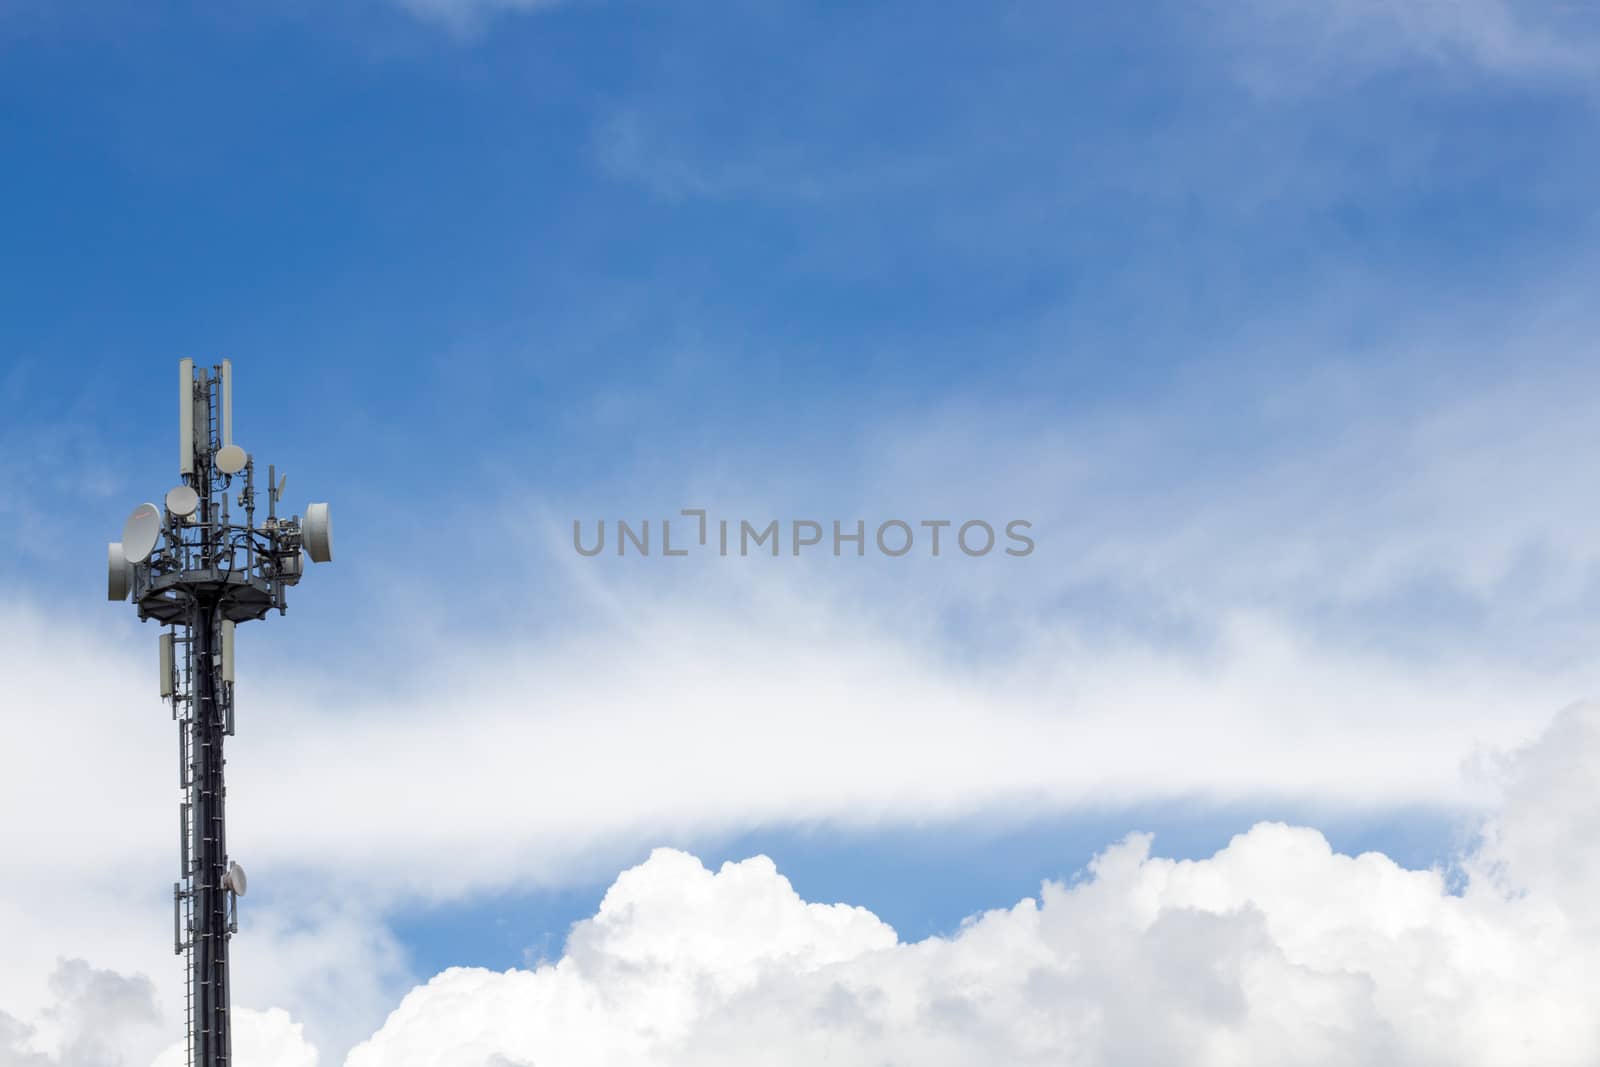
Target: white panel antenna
[[225, 404], [185, 416], [227, 650], [168, 674]]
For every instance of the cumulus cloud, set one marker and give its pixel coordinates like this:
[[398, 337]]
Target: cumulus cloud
[[95, 1018], [102, 1018], [1276, 950], [260, 1039]]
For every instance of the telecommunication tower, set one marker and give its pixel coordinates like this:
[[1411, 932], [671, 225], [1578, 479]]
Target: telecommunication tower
[[196, 570]]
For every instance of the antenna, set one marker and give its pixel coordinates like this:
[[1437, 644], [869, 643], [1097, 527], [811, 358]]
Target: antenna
[[182, 501], [317, 528], [199, 572], [185, 416], [140, 532], [236, 879], [225, 406], [119, 572], [231, 459]]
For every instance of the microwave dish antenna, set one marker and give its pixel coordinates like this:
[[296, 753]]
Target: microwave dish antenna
[[141, 532]]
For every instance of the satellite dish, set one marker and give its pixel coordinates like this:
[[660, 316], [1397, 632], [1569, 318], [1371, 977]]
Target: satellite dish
[[235, 879], [231, 459], [182, 501], [140, 532], [119, 572], [316, 530], [281, 483]]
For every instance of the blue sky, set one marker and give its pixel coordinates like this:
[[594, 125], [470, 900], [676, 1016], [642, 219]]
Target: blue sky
[[1273, 319]]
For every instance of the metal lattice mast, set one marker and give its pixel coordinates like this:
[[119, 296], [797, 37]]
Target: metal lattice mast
[[191, 567]]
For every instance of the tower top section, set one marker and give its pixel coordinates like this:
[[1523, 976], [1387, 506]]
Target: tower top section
[[204, 544]]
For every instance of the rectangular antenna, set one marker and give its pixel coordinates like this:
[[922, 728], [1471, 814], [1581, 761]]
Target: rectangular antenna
[[185, 416], [166, 665], [227, 650], [225, 405]]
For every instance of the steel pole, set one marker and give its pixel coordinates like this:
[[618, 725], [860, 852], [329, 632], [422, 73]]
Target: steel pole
[[207, 793]]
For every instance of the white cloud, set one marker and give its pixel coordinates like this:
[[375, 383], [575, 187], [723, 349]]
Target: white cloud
[[781, 705], [738, 699], [327, 959], [94, 1018], [1546, 839], [467, 15], [531, 767], [1274, 951], [260, 1039], [640, 145], [636, 730], [1291, 41]]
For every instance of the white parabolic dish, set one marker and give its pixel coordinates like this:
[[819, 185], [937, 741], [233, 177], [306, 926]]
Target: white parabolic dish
[[231, 459], [140, 532], [182, 501]]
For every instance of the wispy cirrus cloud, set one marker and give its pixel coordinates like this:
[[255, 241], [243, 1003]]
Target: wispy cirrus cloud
[[471, 15], [1296, 44]]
